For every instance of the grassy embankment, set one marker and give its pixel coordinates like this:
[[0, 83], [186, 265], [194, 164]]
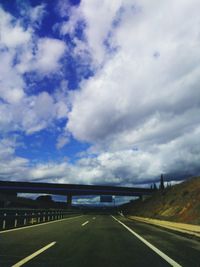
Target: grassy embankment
[[179, 203]]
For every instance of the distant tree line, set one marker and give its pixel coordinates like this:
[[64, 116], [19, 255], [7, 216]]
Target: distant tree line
[[161, 185]]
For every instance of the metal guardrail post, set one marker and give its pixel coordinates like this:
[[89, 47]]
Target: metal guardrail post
[[15, 224], [25, 219], [32, 218], [43, 216], [14, 219], [38, 220], [4, 221]]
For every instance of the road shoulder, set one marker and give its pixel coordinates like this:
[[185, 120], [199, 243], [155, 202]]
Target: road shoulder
[[190, 229]]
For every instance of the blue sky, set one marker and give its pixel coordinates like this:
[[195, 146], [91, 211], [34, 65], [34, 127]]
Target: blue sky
[[99, 92]]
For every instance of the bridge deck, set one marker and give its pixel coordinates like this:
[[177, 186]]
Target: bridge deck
[[73, 189]]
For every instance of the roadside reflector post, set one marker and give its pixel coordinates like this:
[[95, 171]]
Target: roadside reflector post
[[15, 224], [25, 218], [32, 218], [4, 221], [43, 216], [38, 217]]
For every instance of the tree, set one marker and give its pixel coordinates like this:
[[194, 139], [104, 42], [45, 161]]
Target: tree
[[162, 186], [155, 186]]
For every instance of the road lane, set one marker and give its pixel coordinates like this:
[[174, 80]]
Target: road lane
[[148, 244], [33, 255], [16, 245], [83, 224], [182, 248], [102, 242]]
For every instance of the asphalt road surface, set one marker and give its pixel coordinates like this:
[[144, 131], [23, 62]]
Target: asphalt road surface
[[97, 240]]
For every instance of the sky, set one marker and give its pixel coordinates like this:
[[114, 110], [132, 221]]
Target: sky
[[99, 92]]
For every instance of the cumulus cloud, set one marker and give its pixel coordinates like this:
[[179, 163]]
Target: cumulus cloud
[[96, 31], [146, 95], [134, 87], [62, 140], [23, 52], [12, 34], [11, 166], [48, 55], [37, 14], [44, 58], [139, 110], [177, 159], [39, 114]]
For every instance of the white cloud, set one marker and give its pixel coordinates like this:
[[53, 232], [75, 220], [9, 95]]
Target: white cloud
[[177, 159], [22, 52], [146, 95], [96, 29], [11, 89], [11, 166], [37, 14], [48, 55], [62, 140], [139, 110], [45, 59], [135, 88], [12, 34]]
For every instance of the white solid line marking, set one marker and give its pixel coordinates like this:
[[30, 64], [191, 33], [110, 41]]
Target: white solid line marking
[[25, 260], [156, 250], [40, 224], [83, 224]]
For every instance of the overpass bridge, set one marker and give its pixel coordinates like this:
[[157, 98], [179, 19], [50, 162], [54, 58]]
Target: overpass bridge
[[69, 190]]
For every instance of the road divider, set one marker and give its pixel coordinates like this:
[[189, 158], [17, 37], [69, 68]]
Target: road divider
[[83, 224], [148, 244], [35, 254]]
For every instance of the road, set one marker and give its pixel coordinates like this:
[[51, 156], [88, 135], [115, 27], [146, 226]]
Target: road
[[97, 240]]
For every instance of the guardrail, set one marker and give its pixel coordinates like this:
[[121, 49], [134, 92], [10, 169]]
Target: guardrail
[[12, 219]]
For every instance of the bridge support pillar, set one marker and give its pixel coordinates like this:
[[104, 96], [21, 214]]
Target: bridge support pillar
[[69, 200]]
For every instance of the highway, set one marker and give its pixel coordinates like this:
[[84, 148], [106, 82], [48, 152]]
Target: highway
[[97, 240]]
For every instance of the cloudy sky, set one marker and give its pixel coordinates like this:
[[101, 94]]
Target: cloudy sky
[[99, 92]]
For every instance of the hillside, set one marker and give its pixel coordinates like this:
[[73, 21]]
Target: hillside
[[180, 203]]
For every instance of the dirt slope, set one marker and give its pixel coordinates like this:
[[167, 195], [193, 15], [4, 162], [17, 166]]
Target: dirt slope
[[180, 203]]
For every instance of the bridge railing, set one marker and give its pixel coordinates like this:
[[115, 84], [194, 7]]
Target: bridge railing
[[18, 218]]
